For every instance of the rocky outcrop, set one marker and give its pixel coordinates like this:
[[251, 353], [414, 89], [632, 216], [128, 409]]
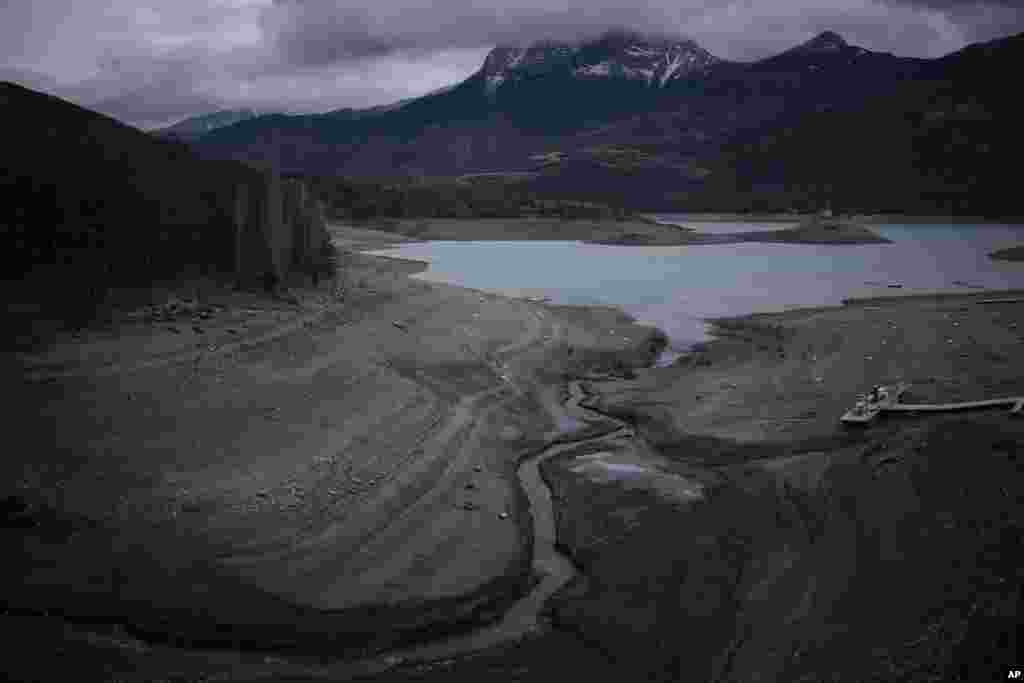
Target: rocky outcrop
[[280, 232]]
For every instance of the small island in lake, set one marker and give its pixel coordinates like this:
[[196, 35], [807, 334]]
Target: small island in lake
[[819, 230]]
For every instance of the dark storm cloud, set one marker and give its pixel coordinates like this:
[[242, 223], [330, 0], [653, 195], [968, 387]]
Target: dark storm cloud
[[979, 20], [956, 4], [317, 32], [314, 33], [149, 62], [147, 89]]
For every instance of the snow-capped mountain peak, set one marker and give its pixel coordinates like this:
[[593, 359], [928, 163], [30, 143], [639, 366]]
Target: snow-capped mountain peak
[[655, 61], [504, 63]]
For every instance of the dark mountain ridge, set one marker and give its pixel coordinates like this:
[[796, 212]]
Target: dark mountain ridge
[[644, 119], [939, 142], [196, 126], [92, 205]]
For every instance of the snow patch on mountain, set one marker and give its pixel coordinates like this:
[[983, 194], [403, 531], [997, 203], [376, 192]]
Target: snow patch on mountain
[[599, 69], [640, 51], [508, 63], [655, 61]]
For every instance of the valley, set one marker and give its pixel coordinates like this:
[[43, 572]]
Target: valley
[[536, 375]]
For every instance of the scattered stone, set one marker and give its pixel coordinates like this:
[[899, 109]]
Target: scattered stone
[[477, 468], [469, 506], [400, 326], [503, 515]]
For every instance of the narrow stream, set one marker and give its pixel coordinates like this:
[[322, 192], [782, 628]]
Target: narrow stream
[[554, 569]]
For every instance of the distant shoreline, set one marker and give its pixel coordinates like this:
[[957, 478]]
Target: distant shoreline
[[874, 219], [636, 232]]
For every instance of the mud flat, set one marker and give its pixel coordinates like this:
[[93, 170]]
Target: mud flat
[[797, 534], [317, 476], [340, 482]]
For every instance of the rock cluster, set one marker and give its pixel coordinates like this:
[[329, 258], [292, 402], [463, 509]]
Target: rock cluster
[[176, 310]]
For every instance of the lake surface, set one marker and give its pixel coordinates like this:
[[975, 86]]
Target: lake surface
[[676, 288]]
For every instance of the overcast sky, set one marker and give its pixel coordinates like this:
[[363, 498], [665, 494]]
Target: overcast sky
[[150, 63]]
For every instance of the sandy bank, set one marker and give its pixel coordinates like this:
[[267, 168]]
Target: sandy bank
[[342, 479], [325, 474], [787, 532]]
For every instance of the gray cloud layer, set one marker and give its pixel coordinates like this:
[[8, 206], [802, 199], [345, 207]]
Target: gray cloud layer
[[318, 32], [979, 20], [149, 62]]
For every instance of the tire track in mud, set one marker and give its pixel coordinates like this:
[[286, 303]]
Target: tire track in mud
[[553, 568]]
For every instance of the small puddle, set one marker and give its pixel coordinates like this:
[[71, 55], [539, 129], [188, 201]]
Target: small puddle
[[602, 468]]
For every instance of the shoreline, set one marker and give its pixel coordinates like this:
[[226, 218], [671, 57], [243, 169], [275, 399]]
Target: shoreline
[[783, 522], [640, 231], [743, 404], [874, 219], [429, 358]]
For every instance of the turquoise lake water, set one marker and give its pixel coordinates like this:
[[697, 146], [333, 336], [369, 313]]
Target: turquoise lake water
[[676, 288]]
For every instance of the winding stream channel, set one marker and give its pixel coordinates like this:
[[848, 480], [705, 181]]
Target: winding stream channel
[[553, 568]]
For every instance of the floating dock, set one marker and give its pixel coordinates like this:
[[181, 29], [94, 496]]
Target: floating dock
[[1016, 404], [867, 410], [868, 407]]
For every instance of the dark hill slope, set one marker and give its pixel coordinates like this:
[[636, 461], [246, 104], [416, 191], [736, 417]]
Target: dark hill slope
[[196, 126], [77, 180], [91, 205], [602, 120], [946, 140]]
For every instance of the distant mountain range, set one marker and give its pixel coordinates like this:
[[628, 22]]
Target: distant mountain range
[[659, 123], [197, 126], [654, 61]]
